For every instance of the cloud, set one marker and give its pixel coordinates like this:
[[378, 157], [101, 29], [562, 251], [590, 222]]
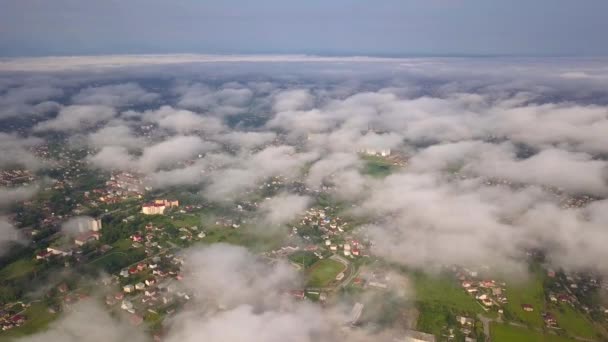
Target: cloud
[[182, 121], [353, 140], [550, 167], [17, 194], [462, 123], [113, 158], [164, 154], [239, 277], [29, 100], [121, 61], [293, 100], [16, 151], [77, 325], [115, 95], [78, 117], [247, 140], [191, 174], [173, 150], [8, 235], [283, 208], [248, 292], [427, 222], [304, 324], [329, 166], [245, 173], [76, 225], [571, 238], [225, 101], [115, 135]]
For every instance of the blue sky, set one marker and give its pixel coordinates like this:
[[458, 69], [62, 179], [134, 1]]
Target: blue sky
[[346, 27]]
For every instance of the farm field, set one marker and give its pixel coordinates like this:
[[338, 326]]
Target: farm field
[[530, 292], [17, 269], [443, 290], [38, 319], [509, 333], [574, 322]]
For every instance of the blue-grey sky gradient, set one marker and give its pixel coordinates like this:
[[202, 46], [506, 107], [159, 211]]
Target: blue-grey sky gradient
[[347, 27]]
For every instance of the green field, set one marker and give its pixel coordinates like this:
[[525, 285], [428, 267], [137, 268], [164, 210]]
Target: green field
[[18, 269], [324, 272], [509, 333], [122, 245], [244, 237], [120, 256], [303, 258], [440, 299], [38, 318], [443, 290], [188, 220], [377, 166], [574, 322], [529, 292]]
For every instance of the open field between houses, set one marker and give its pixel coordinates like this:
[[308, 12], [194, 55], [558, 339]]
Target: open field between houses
[[509, 333], [323, 272]]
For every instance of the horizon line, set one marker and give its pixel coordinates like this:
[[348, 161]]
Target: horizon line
[[75, 62]]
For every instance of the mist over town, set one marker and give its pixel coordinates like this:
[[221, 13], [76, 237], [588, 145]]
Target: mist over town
[[230, 172]]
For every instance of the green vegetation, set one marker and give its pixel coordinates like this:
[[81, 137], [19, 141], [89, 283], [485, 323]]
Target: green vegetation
[[443, 290], [244, 236], [574, 322], [529, 292], [434, 317], [439, 300], [38, 318], [122, 255], [376, 166], [509, 333], [188, 220], [18, 269], [304, 258], [387, 309], [324, 272]]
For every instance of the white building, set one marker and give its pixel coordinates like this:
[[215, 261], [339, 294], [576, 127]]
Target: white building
[[86, 224], [384, 152], [355, 313]]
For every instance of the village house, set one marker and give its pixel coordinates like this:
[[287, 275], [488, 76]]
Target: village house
[[527, 307]]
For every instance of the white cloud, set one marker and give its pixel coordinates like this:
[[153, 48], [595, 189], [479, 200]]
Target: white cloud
[[115, 95], [72, 118]]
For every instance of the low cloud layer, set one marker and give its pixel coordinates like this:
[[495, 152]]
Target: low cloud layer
[[77, 117], [116, 95], [283, 208], [248, 293], [77, 325], [8, 235]]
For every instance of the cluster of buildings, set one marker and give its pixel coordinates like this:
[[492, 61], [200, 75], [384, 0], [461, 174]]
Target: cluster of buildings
[[375, 279], [88, 230], [350, 248], [15, 177], [151, 285], [159, 206], [489, 292], [574, 202], [467, 326], [120, 187], [576, 289], [10, 316], [382, 152], [318, 219]]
